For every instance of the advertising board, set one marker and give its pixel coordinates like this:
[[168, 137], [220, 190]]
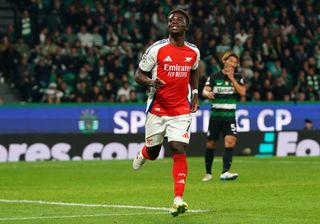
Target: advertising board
[[130, 119]]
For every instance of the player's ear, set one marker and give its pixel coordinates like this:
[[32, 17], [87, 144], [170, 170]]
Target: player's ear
[[187, 22], [187, 27]]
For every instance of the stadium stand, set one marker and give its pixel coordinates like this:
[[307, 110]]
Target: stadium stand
[[87, 51]]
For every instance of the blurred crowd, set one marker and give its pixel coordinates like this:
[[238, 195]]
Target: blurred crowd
[[88, 50]]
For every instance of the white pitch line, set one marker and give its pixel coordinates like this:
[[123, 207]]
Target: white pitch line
[[91, 205], [78, 216]]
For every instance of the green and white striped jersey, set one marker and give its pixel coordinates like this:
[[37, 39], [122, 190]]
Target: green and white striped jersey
[[225, 102]]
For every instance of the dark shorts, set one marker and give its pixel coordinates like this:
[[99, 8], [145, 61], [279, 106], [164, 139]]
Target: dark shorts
[[217, 125]]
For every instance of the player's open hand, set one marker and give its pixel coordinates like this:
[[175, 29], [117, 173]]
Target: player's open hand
[[210, 95], [158, 83]]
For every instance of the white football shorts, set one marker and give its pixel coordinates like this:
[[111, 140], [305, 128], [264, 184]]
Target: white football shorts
[[175, 128]]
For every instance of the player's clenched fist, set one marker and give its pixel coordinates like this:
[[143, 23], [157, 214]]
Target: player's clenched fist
[[158, 83]]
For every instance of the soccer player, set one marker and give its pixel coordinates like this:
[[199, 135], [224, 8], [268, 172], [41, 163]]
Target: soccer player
[[223, 88], [173, 66]]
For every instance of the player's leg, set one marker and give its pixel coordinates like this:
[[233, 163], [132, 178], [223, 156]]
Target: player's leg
[[178, 133], [230, 138], [179, 173], [208, 159], [146, 153], [154, 134], [213, 136]]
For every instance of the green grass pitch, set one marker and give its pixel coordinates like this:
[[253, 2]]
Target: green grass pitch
[[268, 190]]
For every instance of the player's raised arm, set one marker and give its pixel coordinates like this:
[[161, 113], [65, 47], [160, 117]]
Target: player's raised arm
[[230, 61], [239, 87]]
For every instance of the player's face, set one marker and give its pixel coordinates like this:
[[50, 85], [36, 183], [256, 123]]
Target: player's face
[[177, 23], [231, 62]]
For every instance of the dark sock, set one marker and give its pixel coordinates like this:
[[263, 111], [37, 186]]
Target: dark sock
[[227, 159], [208, 158]]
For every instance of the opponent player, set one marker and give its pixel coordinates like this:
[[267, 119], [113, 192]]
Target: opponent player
[[223, 88], [173, 64]]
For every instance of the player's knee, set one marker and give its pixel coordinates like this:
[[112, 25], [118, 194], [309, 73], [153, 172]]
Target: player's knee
[[230, 141], [230, 144], [211, 144], [177, 147], [178, 150]]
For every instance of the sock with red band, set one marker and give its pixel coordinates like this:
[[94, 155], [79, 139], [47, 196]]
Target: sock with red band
[[179, 173]]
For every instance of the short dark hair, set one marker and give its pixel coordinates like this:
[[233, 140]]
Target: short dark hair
[[307, 120], [182, 12]]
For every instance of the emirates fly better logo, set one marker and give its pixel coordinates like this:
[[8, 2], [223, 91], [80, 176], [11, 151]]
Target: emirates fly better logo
[[178, 71]]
